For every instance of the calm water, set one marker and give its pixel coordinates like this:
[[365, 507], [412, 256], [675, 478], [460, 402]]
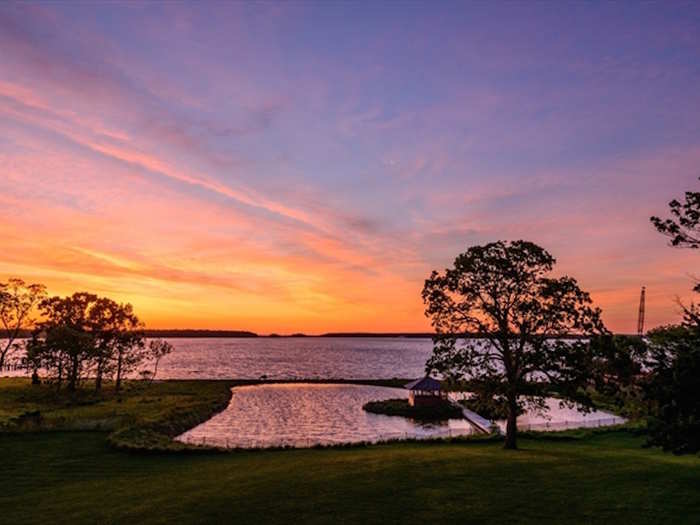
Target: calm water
[[293, 358], [296, 358], [303, 415]]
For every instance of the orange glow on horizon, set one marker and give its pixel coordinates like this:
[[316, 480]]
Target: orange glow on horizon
[[221, 179]]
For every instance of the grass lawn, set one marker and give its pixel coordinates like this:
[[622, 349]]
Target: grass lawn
[[74, 477], [77, 477]]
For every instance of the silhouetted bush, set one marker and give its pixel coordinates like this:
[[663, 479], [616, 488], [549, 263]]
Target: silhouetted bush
[[400, 407]]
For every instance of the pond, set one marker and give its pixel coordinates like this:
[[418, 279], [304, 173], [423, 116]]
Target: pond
[[304, 415]]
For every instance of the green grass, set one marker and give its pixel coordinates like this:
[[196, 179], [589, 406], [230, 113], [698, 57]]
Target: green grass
[[141, 416], [64, 476], [76, 478]]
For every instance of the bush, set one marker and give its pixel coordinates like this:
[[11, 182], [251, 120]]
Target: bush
[[400, 407], [673, 389], [491, 409]]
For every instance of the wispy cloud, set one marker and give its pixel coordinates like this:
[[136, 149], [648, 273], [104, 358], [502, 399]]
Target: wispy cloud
[[289, 168]]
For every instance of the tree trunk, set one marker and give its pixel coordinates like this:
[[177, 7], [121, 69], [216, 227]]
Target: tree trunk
[[118, 383], [5, 351], [73, 379], [511, 423], [98, 377], [155, 371], [59, 378]]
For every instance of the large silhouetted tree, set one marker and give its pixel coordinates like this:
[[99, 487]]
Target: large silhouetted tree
[[672, 387], [17, 301], [501, 293]]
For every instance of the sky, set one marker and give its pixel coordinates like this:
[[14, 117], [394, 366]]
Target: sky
[[302, 167]]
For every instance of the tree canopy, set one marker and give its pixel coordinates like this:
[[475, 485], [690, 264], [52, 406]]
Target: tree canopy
[[84, 333], [502, 293], [683, 227]]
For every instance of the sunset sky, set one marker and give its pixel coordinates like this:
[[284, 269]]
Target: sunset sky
[[303, 167]]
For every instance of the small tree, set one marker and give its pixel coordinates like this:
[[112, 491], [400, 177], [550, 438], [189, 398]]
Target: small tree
[[129, 345], [505, 326], [17, 300], [119, 340], [157, 350]]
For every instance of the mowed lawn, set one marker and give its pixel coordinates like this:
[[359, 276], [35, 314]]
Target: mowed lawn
[[74, 477]]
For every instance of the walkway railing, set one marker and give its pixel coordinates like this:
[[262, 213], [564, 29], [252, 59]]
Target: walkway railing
[[313, 442], [567, 425]]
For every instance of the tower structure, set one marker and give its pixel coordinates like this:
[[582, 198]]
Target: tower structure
[[640, 318]]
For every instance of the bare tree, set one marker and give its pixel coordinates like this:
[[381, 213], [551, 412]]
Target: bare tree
[[157, 349]]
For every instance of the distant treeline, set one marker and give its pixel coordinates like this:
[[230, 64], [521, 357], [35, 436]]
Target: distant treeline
[[194, 333], [198, 333], [429, 335], [417, 335]]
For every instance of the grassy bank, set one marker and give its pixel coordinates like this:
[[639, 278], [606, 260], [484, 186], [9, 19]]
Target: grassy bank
[[142, 416], [604, 478]]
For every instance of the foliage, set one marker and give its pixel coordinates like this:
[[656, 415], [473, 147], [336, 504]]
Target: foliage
[[487, 406], [502, 292], [86, 334], [673, 388], [684, 225], [17, 301], [400, 407], [618, 373]]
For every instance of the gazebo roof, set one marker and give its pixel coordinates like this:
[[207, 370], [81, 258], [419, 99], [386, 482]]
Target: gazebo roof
[[426, 383]]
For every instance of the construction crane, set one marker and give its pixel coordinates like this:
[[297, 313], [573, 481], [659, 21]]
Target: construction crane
[[640, 318]]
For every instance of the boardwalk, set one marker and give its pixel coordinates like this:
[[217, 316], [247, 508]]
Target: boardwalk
[[480, 423]]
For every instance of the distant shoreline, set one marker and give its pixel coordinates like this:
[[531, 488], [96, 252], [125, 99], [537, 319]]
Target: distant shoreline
[[191, 333]]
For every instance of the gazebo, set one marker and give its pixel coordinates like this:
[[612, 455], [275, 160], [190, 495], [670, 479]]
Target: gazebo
[[425, 392]]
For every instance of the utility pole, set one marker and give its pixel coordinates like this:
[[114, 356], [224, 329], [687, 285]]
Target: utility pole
[[640, 319]]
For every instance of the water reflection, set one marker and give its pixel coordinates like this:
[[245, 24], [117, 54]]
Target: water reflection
[[303, 415]]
